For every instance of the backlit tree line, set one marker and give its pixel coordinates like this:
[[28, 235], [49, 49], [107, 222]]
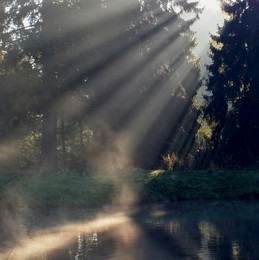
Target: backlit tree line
[[85, 83]]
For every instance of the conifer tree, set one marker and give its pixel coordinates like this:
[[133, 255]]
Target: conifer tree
[[233, 104]]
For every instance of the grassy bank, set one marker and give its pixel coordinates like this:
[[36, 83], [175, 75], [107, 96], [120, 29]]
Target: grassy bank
[[125, 187]]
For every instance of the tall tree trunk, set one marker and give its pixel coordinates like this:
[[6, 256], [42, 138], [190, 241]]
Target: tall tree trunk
[[49, 139], [49, 91], [81, 129], [81, 136], [63, 143]]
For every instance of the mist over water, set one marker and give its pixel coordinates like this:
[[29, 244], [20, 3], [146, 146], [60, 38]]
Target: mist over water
[[184, 230]]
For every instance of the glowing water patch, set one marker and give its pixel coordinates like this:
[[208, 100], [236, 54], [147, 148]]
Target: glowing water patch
[[36, 245]]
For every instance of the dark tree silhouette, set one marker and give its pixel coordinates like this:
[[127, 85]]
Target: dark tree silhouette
[[233, 106]]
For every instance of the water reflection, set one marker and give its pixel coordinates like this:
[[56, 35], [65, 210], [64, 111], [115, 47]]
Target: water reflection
[[86, 244], [210, 235], [54, 242], [221, 231], [211, 231], [125, 241]]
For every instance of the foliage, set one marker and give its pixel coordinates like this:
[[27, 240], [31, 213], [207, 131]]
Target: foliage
[[172, 161], [233, 104], [206, 185], [59, 66], [66, 189]]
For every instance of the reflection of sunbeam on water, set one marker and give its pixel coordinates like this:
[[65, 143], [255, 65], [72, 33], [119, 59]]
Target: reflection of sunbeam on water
[[35, 246]]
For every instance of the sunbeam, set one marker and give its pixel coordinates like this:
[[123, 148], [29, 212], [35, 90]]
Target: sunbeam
[[142, 50], [108, 106], [36, 245]]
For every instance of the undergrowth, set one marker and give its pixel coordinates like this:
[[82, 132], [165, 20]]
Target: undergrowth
[[66, 189]]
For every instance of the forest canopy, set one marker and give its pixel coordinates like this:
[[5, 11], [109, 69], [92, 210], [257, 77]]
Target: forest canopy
[[113, 84]]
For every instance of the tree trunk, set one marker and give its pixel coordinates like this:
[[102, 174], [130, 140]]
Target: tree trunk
[[63, 143], [49, 140], [49, 91], [81, 136]]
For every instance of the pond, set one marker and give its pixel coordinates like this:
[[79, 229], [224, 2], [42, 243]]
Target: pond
[[180, 231]]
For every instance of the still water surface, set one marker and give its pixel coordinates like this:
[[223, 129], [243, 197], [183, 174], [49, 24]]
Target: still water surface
[[181, 231]]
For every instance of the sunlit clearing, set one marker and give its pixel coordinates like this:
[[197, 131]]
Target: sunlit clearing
[[37, 244]]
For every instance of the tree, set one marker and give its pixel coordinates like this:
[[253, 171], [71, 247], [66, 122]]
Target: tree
[[19, 77], [77, 57], [233, 104], [145, 107]]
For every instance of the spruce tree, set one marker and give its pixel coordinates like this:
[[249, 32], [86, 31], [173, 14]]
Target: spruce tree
[[233, 104]]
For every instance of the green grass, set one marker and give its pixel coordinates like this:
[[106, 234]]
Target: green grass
[[68, 189]]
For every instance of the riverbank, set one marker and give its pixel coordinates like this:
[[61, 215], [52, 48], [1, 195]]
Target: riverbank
[[69, 189]]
